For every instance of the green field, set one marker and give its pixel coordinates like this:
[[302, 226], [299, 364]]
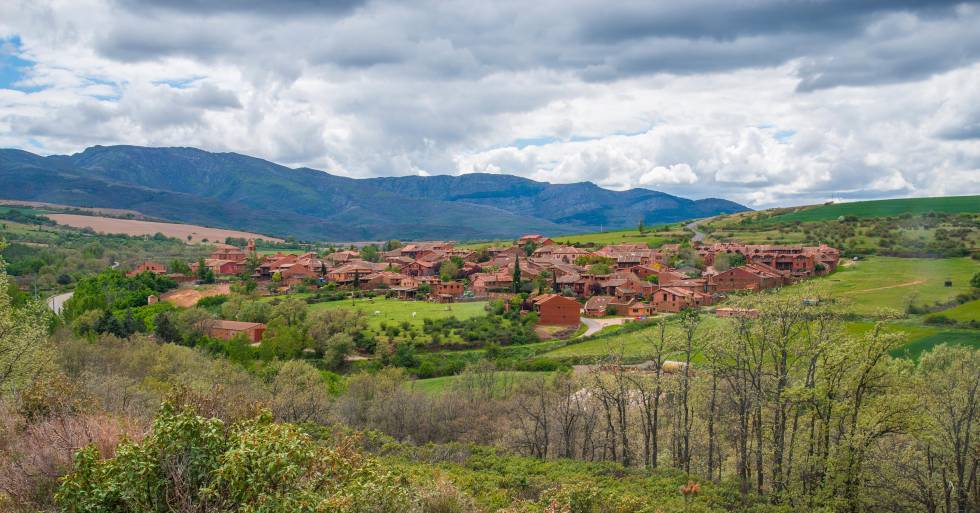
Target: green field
[[964, 313], [503, 381], [633, 344], [883, 208], [393, 311], [969, 338], [888, 282], [629, 236], [619, 237]]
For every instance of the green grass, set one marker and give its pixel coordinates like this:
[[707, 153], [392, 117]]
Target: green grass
[[967, 338], [888, 282], [966, 312], [633, 344], [503, 381], [884, 208], [393, 311]]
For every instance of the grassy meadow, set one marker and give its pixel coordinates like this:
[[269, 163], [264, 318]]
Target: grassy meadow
[[393, 311], [883, 208], [503, 381], [964, 313], [893, 283]]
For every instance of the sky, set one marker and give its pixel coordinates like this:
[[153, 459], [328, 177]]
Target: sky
[[764, 102]]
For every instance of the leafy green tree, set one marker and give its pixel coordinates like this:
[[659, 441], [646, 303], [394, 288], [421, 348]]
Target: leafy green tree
[[299, 393], [600, 269], [165, 329], [448, 271], [291, 311], [975, 281], [405, 355], [178, 266], [370, 253], [25, 352]]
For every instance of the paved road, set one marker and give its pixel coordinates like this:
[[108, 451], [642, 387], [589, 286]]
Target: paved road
[[57, 303], [594, 326], [693, 226]]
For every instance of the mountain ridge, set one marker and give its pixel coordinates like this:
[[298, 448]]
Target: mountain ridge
[[239, 191]]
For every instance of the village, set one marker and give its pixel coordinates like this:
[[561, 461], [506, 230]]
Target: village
[[560, 283]]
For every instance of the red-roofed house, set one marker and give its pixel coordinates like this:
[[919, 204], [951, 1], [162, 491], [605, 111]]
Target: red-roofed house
[[148, 266], [556, 309], [229, 329]]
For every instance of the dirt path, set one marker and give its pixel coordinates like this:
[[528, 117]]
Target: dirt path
[[920, 281]]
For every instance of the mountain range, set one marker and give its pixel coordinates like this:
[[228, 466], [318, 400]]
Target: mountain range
[[231, 190]]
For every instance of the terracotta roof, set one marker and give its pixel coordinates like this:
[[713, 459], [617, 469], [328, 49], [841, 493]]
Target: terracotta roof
[[235, 325]]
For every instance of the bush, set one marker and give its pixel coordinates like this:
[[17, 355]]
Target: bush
[[940, 320], [192, 463]]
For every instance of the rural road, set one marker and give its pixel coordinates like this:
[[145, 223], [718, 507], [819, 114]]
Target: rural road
[[693, 226], [594, 326], [56, 303]]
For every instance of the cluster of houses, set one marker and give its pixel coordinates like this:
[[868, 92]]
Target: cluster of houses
[[621, 279]]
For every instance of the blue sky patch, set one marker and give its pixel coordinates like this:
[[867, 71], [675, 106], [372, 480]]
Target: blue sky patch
[[784, 136], [12, 66]]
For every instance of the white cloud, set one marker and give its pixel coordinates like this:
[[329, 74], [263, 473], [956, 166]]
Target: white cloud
[[700, 101]]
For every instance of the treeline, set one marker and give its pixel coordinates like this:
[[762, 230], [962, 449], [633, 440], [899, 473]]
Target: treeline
[[56, 259], [788, 407]]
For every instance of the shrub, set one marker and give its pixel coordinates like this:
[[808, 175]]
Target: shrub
[[192, 463]]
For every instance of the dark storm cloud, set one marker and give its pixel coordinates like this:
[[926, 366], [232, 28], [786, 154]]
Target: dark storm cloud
[[836, 42], [727, 20]]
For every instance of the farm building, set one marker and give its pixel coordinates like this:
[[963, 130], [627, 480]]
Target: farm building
[[148, 266], [229, 329]]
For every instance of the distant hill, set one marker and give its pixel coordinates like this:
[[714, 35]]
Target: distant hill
[[236, 191], [882, 208]]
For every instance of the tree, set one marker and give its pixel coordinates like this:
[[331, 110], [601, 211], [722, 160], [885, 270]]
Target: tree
[[516, 285], [370, 253], [640, 227], [975, 281], [178, 266], [25, 353], [600, 269], [542, 281], [950, 377], [448, 271], [299, 394], [204, 273], [165, 329]]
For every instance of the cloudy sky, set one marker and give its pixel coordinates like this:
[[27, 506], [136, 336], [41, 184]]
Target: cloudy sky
[[766, 102]]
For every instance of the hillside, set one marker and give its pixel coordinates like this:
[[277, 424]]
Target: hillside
[[915, 227], [236, 191], [882, 208]]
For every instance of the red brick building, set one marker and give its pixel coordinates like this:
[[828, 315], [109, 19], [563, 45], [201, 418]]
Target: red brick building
[[148, 266], [675, 299], [556, 309], [229, 329], [746, 277]]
